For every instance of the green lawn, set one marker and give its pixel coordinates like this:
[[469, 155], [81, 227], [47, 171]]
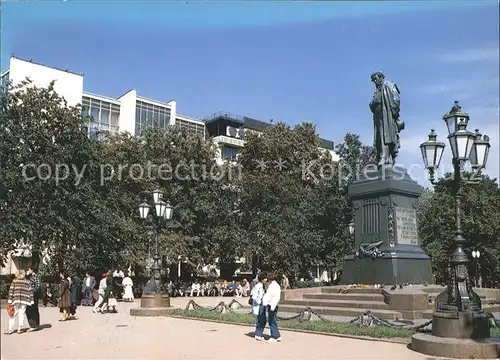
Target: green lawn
[[375, 331]]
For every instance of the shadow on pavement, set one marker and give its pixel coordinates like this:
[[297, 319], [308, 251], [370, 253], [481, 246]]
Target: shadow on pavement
[[252, 335]]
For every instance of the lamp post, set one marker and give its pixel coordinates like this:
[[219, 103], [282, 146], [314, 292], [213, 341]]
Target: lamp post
[[475, 255], [458, 311], [163, 211]]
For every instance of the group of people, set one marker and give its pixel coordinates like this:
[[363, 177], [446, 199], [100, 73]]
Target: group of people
[[265, 298], [25, 292], [108, 291], [216, 288]]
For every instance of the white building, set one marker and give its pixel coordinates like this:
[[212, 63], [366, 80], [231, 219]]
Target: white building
[[133, 113], [128, 113]]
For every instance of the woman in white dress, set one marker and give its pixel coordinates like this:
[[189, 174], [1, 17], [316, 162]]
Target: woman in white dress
[[127, 285]]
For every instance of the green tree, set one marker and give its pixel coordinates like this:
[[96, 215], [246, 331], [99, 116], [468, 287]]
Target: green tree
[[480, 224], [289, 191], [50, 173], [184, 166], [39, 131]]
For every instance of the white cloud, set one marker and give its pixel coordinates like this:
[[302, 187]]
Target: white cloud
[[469, 55]]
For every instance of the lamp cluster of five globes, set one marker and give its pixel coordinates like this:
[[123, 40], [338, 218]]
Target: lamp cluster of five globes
[[465, 145], [162, 209]]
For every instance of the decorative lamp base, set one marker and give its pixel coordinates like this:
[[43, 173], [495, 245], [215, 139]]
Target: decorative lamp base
[[155, 301], [455, 348], [461, 325], [153, 305]]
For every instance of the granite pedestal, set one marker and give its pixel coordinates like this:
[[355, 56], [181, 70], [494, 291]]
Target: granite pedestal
[[385, 200]]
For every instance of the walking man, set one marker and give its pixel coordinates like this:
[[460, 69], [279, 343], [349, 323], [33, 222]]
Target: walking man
[[88, 286]]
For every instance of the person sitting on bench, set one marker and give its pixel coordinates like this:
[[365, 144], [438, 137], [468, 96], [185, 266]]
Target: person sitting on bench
[[195, 288]]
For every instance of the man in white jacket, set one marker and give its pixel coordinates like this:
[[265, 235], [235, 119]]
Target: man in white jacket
[[270, 301]]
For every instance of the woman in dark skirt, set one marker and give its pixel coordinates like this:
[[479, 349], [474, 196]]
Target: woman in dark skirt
[[64, 303]]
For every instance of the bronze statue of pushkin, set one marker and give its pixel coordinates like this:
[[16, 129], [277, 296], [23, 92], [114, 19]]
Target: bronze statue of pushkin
[[386, 123]]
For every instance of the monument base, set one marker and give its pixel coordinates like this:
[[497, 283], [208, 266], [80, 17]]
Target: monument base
[[455, 348], [398, 266], [153, 305], [387, 249]]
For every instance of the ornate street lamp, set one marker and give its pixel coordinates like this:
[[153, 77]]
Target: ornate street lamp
[[160, 207], [163, 211], [432, 152], [454, 117], [458, 312], [461, 142], [157, 195], [480, 150], [167, 215], [144, 210]]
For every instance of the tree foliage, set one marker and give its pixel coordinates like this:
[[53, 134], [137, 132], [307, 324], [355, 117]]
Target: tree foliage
[[480, 225], [293, 209]]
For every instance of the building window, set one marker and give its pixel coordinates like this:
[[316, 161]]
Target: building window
[[191, 127], [114, 117], [148, 115], [4, 81], [230, 152], [105, 116]]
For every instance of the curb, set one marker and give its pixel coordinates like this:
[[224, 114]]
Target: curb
[[356, 337]]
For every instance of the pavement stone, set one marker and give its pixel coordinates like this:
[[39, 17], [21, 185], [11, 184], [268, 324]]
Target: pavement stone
[[121, 336]]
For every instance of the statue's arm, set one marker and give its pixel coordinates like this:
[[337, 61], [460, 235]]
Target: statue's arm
[[395, 108], [372, 103], [394, 100]]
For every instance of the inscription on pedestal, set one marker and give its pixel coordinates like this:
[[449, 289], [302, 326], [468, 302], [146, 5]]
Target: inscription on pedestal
[[406, 226]]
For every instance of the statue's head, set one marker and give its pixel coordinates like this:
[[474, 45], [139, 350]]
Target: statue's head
[[378, 78]]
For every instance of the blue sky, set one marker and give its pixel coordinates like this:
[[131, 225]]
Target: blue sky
[[290, 61]]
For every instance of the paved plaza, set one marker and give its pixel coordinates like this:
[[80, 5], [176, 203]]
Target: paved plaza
[[121, 336]]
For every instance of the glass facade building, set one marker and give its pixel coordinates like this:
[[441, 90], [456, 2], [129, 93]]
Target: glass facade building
[[149, 115], [104, 115], [191, 127], [4, 80]]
